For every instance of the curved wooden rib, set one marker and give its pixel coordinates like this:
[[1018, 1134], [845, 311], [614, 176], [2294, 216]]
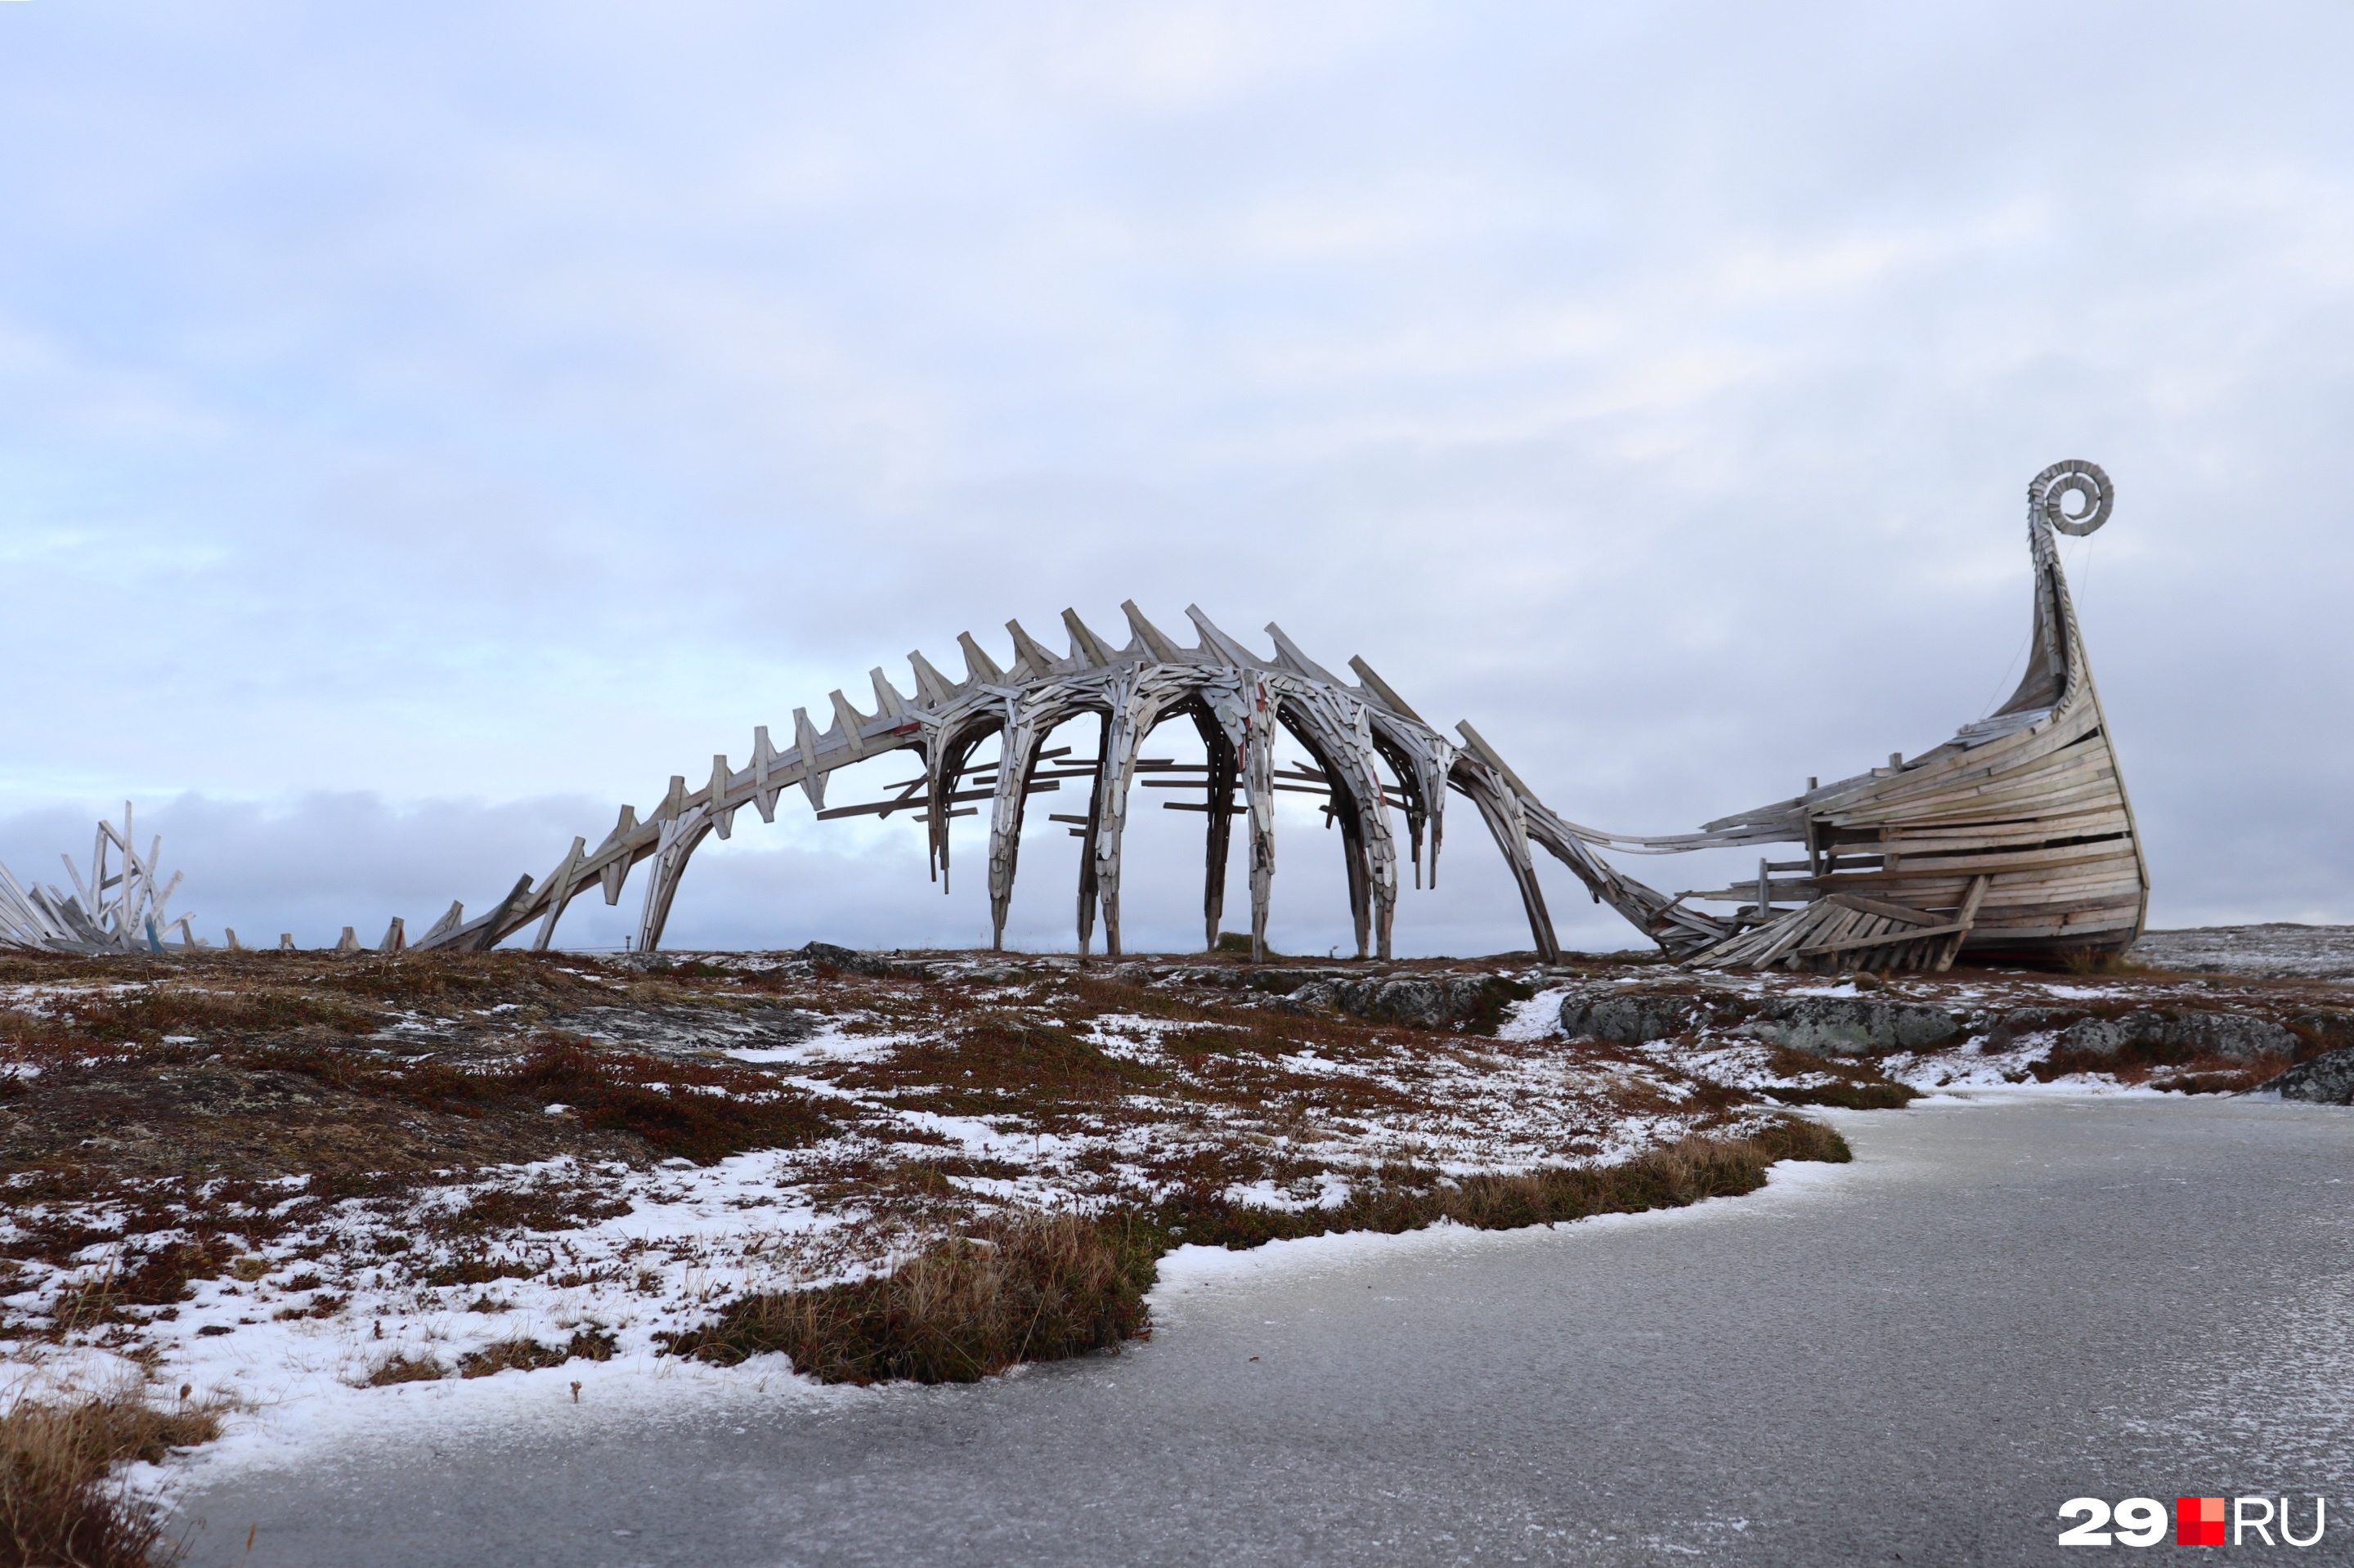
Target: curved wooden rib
[[1240, 702]]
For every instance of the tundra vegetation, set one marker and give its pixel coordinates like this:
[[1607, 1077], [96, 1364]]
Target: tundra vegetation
[[407, 1168]]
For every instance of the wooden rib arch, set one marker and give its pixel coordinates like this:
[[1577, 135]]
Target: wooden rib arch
[[1241, 702]]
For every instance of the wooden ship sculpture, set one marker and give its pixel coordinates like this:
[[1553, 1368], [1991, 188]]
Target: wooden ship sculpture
[[121, 908], [2011, 842]]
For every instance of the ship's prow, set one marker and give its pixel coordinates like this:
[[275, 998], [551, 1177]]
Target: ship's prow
[[2013, 843]]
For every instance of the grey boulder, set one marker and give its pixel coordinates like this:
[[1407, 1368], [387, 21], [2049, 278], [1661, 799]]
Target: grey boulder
[[2325, 1080], [1433, 1002], [1852, 1025], [1627, 1017], [851, 960], [2237, 1036]]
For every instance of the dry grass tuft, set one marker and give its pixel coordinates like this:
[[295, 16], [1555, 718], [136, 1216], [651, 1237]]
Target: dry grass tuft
[[524, 1355], [1043, 1286], [1680, 1174], [401, 1366], [57, 1504], [702, 1112], [589, 1344], [2178, 1068], [697, 1110], [1856, 1086], [1040, 1287]]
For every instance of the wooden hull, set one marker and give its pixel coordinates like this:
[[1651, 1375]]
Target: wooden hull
[[2013, 843]]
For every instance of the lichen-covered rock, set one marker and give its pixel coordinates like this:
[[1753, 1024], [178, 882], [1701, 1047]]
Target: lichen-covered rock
[[2237, 1036], [2325, 1080], [1290, 977], [1420, 1002], [1852, 1025], [2326, 1027], [851, 961], [1629, 1017], [2017, 1022]]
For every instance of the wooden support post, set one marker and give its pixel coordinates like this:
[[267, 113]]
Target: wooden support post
[[805, 743], [490, 932], [1499, 805], [852, 724], [1138, 706], [1965, 919], [1258, 793], [616, 870], [679, 837], [1352, 854], [1017, 768], [1220, 834], [764, 799], [1088, 841], [559, 894], [950, 751], [714, 796]]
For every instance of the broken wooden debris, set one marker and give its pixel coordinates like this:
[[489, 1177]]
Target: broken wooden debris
[[119, 908]]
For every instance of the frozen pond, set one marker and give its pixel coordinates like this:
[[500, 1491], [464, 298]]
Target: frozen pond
[[1918, 1357]]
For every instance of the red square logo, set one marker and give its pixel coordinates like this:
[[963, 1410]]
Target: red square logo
[[2199, 1521]]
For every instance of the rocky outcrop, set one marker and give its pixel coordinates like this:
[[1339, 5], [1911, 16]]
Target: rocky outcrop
[[2180, 1036], [1476, 1002], [690, 1030], [1627, 1017], [1852, 1025], [2327, 1029], [1288, 980], [2007, 1027], [851, 960], [2325, 1080]]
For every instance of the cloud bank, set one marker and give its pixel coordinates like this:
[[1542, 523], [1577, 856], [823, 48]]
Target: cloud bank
[[430, 429]]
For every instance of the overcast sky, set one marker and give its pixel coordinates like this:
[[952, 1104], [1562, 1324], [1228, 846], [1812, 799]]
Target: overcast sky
[[429, 426]]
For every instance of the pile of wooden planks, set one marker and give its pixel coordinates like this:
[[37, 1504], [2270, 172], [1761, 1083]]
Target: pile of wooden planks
[[121, 907]]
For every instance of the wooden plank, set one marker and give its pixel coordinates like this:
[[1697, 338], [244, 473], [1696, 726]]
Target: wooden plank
[[1963, 920], [852, 724], [1901, 913], [1381, 690], [2090, 761], [2108, 821], [1884, 937], [813, 779], [1988, 861], [916, 802]]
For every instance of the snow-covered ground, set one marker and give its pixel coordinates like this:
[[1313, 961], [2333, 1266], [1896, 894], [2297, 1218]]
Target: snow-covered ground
[[373, 1300], [2274, 951], [1270, 1101]]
